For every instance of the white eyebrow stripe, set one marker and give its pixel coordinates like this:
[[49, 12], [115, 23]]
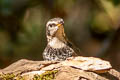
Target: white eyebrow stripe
[[51, 22]]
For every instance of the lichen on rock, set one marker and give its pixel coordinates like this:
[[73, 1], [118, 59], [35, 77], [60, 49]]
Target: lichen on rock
[[10, 76], [48, 75]]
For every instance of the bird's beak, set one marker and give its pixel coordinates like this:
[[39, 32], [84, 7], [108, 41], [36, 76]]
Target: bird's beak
[[59, 25]]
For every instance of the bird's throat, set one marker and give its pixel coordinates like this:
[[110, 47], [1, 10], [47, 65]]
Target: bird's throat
[[56, 43]]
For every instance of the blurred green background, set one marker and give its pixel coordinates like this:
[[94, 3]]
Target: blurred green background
[[92, 25]]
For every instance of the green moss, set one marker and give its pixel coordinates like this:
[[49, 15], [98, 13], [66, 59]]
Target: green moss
[[48, 75], [7, 76], [10, 77]]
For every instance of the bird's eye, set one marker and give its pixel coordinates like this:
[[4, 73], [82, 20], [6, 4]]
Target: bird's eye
[[50, 25]]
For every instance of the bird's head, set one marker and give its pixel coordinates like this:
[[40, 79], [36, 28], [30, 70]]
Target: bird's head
[[54, 28]]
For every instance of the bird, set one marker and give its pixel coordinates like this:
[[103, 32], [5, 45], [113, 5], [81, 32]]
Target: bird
[[58, 48]]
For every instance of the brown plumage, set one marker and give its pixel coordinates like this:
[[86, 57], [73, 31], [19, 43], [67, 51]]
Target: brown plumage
[[58, 47]]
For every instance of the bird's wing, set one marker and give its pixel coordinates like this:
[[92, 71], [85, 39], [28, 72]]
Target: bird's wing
[[76, 49]]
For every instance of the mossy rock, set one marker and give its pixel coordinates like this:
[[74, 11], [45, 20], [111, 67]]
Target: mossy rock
[[10, 76], [48, 75]]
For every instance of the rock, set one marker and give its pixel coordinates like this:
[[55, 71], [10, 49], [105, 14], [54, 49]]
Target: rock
[[74, 68]]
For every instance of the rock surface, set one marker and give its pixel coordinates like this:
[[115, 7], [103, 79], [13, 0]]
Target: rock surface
[[74, 68]]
